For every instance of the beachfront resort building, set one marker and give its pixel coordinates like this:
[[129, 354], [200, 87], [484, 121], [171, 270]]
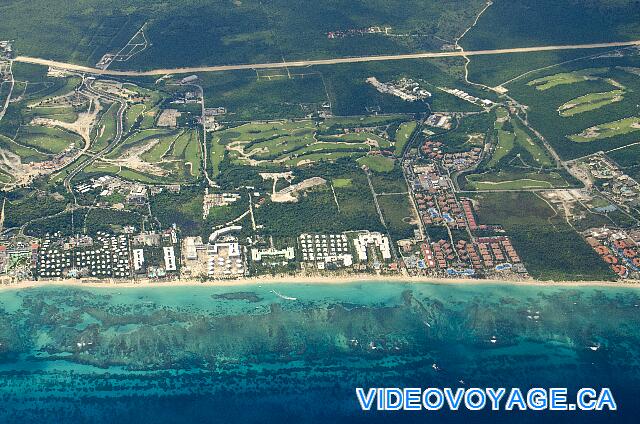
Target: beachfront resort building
[[375, 240], [326, 250]]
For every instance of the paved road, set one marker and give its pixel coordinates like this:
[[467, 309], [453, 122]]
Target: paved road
[[110, 146], [459, 53]]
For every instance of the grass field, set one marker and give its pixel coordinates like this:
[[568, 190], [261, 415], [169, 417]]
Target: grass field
[[524, 183], [590, 102], [106, 128], [216, 153], [510, 180], [138, 138], [608, 130], [361, 137], [516, 143], [62, 113], [132, 114], [403, 135], [563, 78], [341, 182], [320, 157], [363, 121], [34, 143], [47, 140], [506, 142], [27, 154], [377, 163]]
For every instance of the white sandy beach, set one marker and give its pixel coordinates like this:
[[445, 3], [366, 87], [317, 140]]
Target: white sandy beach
[[286, 279]]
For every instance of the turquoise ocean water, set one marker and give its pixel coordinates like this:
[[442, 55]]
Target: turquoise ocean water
[[295, 353]]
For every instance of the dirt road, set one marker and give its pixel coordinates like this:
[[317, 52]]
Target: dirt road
[[317, 62]]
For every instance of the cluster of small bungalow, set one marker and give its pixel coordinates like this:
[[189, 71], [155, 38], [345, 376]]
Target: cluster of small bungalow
[[484, 253], [619, 186], [108, 256], [330, 251], [617, 248]]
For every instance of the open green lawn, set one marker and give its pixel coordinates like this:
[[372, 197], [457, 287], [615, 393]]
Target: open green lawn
[[216, 153], [590, 102], [27, 154], [132, 114], [327, 146], [508, 180], [162, 148], [320, 157], [377, 163], [47, 140], [192, 153], [341, 182], [403, 135], [512, 139], [364, 121], [608, 130], [562, 78], [100, 167], [60, 113], [358, 137], [106, 129], [149, 118], [277, 144], [132, 175], [139, 138], [175, 154], [506, 141], [525, 183]]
